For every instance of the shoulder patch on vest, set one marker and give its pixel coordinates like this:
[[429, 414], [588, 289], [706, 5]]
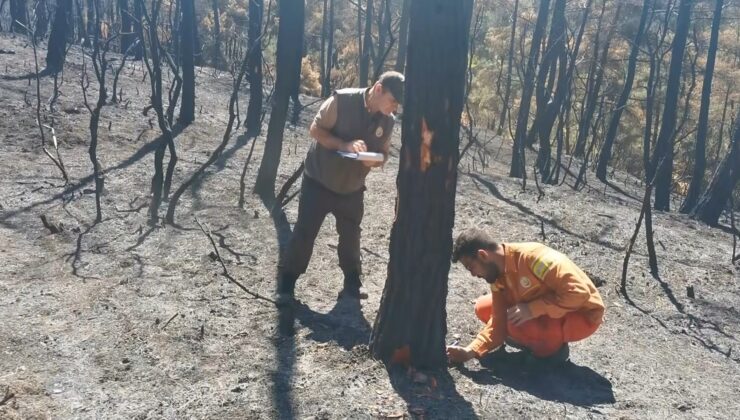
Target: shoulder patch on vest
[[379, 131], [543, 263]]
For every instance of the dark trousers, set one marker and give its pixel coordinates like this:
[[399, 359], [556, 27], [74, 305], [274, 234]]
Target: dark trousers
[[315, 203]]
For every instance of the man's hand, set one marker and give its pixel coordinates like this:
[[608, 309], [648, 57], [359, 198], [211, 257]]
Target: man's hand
[[355, 146], [459, 354], [519, 314], [372, 164]]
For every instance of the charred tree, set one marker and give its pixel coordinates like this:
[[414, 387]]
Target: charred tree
[[713, 201], [367, 45], [663, 158], [254, 67], [518, 169], [412, 319], [41, 26], [509, 63], [288, 76], [187, 60], [57, 47], [217, 55], [611, 132], [18, 16], [403, 36], [127, 26], [700, 154]]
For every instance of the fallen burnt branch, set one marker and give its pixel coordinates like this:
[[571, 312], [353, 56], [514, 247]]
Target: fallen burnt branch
[[207, 232]]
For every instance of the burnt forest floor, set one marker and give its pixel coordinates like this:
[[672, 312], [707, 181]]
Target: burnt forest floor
[[119, 320]]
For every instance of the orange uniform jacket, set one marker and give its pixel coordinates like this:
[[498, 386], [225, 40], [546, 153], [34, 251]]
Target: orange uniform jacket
[[547, 280]]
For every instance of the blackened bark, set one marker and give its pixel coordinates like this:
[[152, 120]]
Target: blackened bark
[[367, 43], [517, 168], [663, 159], [288, 75], [127, 25], [254, 67], [403, 36], [187, 60], [18, 16], [330, 53], [217, 58], [509, 63], [700, 157], [611, 133], [412, 315], [57, 47], [41, 26]]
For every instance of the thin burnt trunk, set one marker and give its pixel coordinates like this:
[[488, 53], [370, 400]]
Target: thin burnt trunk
[[57, 47], [403, 36], [288, 74], [611, 133], [18, 16], [217, 56], [664, 145], [367, 43], [254, 67], [187, 61], [127, 26], [517, 168], [700, 157]]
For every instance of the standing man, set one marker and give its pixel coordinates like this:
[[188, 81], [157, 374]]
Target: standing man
[[351, 120], [540, 300]]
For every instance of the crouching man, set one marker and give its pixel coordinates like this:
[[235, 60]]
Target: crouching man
[[539, 302]]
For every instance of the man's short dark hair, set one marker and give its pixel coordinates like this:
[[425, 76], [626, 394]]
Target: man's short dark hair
[[469, 242], [393, 81]]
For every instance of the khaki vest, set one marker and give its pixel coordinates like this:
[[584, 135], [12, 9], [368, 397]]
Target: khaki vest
[[338, 174]]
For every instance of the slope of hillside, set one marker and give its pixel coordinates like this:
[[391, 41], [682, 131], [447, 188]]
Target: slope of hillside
[[117, 320]]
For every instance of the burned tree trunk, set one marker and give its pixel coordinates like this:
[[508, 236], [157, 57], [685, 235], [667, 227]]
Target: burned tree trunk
[[187, 60], [100, 65], [254, 67], [18, 16], [509, 64], [596, 78], [41, 26], [57, 46], [611, 133], [517, 168], [288, 75], [217, 58], [326, 82], [367, 45], [412, 317], [714, 199], [127, 27], [700, 154], [403, 36], [663, 158]]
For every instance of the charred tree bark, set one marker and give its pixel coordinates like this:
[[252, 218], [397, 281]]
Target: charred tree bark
[[700, 156], [611, 133], [551, 101], [596, 78], [412, 319], [288, 75], [254, 67], [664, 145], [330, 54], [403, 36], [100, 65], [518, 169], [187, 60], [41, 26], [367, 45], [713, 201], [127, 25], [18, 16], [217, 56], [509, 63], [57, 47]]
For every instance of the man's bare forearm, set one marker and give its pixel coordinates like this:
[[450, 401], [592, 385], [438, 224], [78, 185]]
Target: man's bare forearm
[[326, 138]]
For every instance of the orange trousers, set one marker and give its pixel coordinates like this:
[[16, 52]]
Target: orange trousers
[[543, 336]]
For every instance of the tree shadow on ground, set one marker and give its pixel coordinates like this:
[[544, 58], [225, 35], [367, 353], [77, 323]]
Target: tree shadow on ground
[[435, 397], [344, 324], [569, 383], [220, 163]]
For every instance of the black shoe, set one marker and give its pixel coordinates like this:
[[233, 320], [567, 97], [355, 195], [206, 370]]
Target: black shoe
[[352, 286], [557, 359], [286, 289]]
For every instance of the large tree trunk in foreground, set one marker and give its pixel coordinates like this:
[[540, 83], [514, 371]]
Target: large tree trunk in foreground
[[412, 316]]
